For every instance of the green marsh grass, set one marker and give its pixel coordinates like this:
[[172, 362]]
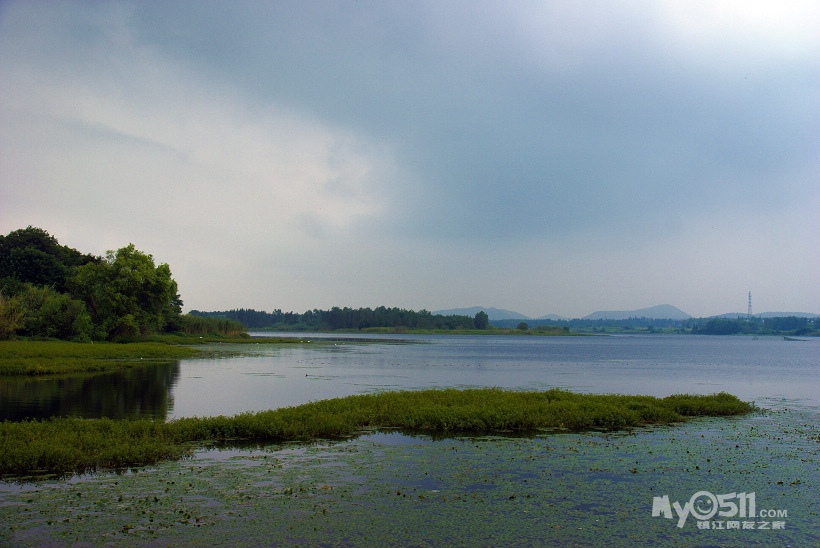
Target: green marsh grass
[[57, 357], [71, 445], [32, 357]]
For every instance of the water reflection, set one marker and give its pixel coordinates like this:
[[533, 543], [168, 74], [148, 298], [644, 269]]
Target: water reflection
[[137, 392], [274, 376]]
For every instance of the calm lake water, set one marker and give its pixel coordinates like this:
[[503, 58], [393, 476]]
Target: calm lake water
[[389, 489], [272, 376]]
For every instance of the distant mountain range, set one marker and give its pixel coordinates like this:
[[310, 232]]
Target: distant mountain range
[[664, 311], [492, 313], [554, 317], [660, 312]]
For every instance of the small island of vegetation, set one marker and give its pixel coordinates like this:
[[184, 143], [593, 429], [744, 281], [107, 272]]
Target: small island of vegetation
[[73, 445]]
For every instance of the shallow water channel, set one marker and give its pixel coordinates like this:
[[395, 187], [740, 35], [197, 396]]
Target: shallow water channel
[[391, 489]]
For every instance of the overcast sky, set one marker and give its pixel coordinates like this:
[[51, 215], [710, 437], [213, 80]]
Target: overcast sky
[[546, 157]]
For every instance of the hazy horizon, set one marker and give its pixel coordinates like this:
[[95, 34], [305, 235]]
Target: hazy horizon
[[548, 158], [504, 313]]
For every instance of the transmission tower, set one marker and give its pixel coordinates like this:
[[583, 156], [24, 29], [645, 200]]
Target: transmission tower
[[750, 304]]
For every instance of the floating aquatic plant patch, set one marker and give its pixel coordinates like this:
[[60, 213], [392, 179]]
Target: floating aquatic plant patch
[[70, 445]]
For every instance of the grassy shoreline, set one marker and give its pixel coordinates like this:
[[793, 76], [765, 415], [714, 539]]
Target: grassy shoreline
[[71, 445], [29, 357], [50, 357], [59, 357]]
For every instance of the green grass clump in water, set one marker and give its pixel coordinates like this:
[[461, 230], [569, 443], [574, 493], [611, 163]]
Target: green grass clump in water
[[26, 357], [54, 357], [65, 445]]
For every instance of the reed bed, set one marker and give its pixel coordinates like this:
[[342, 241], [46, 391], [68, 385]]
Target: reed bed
[[53, 357], [73, 445], [57, 357]]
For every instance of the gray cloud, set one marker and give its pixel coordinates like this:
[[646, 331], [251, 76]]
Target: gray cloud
[[422, 126], [494, 126]]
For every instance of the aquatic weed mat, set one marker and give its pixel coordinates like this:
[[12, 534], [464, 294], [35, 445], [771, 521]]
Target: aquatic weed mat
[[391, 489]]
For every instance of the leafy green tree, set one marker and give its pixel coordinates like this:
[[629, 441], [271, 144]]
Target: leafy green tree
[[126, 295], [47, 313], [482, 320], [787, 323], [722, 326], [32, 255], [522, 326], [11, 315]]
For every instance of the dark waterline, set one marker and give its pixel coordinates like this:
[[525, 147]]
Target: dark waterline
[[139, 392], [273, 376]]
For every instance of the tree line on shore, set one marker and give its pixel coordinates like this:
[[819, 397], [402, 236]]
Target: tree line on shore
[[349, 318], [785, 325], [396, 318], [50, 290]]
